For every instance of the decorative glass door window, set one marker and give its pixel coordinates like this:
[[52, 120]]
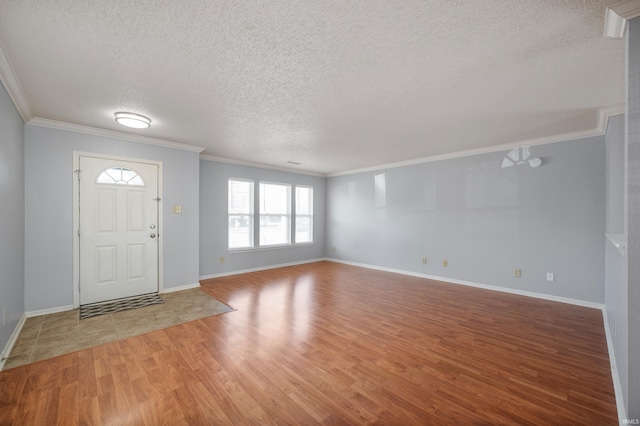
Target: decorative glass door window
[[120, 176]]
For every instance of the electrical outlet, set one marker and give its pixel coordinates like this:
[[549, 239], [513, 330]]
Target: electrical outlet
[[517, 273], [424, 260], [222, 259], [333, 249], [550, 276], [445, 263]]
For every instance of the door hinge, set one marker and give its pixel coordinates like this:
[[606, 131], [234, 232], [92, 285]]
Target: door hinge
[[157, 199], [77, 172]]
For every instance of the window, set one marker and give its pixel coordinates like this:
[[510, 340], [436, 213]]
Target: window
[[275, 214], [240, 213], [120, 176], [304, 214], [272, 220]]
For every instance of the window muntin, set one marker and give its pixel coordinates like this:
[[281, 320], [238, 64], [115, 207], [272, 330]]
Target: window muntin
[[240, 208], [120, 176], [275, 214], [304, 214]]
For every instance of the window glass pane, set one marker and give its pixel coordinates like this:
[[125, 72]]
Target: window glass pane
[[304, 214], [304, 200], [274, 198], [274, 229], [304, 229], [240, 196], [240, 231], [275, 213], [240, 207], [120, 176]]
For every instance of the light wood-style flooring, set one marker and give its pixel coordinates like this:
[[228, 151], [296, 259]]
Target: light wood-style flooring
[[327, 343]]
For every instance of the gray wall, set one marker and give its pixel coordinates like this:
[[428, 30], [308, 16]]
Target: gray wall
[[616, 261], [483, 219], [633, 126], [12, 217], [49, 234], [214, 179]]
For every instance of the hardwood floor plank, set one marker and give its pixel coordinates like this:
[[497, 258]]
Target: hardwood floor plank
[[327, 343], [67, 413]]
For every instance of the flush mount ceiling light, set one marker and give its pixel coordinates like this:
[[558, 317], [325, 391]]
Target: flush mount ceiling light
[[135, 121]]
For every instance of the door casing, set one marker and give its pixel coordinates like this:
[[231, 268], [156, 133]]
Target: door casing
[[76, 218]]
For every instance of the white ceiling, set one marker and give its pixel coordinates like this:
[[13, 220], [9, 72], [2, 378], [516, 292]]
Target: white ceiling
[[335, 85]]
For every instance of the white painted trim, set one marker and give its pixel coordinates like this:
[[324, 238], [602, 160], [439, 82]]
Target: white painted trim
[[600, 129], [76, 219], [12, 341], [180, 288], [617, 15], [617, 386], [48, 311], [614, 24], [14, 89], [628, 9], [543, 296], [612, 359], [261, 268], [75, 225], [258, 165], [604, 114], [77, 128]]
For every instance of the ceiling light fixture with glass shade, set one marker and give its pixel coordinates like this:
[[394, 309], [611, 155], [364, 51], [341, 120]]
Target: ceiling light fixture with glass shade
[[135, 121]]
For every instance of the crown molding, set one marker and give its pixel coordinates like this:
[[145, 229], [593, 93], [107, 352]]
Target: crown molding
[[258, 165], [628, 9], [617, 15], [600, 129], [11, 83], [605, 113], [76, 128]]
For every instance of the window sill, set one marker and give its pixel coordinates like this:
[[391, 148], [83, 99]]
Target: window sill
[[274, 247]]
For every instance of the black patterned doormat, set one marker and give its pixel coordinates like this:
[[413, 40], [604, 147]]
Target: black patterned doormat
[[105, 308]]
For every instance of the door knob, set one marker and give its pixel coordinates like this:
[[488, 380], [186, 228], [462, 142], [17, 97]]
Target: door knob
[[152, 235], [152, 226]]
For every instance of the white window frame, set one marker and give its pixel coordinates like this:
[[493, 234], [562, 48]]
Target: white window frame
[[250, 214], [263, 215], [299, 215]]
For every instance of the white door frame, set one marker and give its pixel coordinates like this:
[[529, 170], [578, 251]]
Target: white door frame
[[76, 218]]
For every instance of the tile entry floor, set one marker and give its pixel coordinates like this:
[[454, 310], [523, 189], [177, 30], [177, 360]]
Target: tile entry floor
[[47, 336]]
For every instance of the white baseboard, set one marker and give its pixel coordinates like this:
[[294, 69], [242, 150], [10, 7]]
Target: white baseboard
[[617, 386], [261, 268], [553, 298], [12, 341], [180, 288], [48, 311], [70, 307]]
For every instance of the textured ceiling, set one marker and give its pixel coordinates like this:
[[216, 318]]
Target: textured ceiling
[[334, 85]]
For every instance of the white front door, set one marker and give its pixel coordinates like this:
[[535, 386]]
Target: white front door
[[118, 229]]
